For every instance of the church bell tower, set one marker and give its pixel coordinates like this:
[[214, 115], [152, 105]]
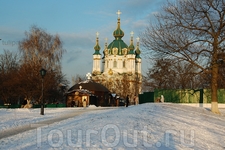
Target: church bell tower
[[97, 57]]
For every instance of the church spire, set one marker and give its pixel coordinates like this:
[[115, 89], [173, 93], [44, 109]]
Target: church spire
[[131, 47], [97, 47], [118, 33], [137, 51], [96, 58], [105, 52], [106, 39]]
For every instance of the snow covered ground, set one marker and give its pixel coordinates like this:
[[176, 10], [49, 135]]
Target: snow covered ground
[[145, 126]]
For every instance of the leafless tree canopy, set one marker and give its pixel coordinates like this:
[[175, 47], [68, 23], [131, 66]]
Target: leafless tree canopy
[[42, 48], [78, 78], [169, 74]]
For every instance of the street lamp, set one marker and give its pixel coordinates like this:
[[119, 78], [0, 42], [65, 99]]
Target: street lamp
[[43, 73]]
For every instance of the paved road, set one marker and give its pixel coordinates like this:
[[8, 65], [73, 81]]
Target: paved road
[[25, 128]]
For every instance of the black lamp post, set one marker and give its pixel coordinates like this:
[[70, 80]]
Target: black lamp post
[[43, 73]]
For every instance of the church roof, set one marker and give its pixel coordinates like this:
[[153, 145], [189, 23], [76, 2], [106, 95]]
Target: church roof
[[117, 45], [90, 85]]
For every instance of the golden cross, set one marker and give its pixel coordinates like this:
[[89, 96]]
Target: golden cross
[[88, 75], [118, 13], [132, 33], [97, 34], [138, 39]]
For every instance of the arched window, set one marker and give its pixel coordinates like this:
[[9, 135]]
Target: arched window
[[114, 64], [124, 64]]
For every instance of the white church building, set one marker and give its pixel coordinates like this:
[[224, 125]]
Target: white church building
[[119, 67]]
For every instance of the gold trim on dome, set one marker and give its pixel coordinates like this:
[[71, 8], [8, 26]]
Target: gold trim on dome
[[115, 51], [124, 51]]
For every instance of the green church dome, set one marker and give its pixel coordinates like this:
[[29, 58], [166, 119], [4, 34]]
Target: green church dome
[[118, 33], [131, 46], [117, 43], [137, 51]]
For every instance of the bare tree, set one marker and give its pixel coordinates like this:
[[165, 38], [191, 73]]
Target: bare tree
[[191, 31], [78, 78], [41, 50], [9, 64], [169, 74]]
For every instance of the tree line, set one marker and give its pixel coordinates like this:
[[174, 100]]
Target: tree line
[[20, 72]]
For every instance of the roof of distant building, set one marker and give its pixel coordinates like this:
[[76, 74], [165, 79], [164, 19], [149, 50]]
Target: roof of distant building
[[90, 85]]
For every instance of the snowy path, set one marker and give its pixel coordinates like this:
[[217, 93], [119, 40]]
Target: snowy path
[[30, 126], [146, 126]]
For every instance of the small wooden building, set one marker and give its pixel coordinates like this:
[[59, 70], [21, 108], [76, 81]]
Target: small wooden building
[[95, 94]]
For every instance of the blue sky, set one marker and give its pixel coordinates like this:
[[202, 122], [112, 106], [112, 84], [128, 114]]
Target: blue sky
[[76, 22]]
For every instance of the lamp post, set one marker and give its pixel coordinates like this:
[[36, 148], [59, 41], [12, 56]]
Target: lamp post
[[43, 73]]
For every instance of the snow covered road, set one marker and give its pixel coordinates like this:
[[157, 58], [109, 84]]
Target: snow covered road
[[26, 126]]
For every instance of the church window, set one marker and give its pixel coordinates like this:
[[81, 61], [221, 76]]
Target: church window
[[124, 64], [114, 64]]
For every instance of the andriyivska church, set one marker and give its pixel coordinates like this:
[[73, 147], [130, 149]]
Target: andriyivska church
[[119, 66]]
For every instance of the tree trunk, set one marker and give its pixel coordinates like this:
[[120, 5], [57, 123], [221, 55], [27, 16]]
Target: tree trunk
[[214, 101], [214, 107]]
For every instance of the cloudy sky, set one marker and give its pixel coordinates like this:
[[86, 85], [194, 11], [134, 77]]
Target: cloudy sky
[[76, 22]]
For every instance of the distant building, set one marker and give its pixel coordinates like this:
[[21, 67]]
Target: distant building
[[119, 68], [91, 92]]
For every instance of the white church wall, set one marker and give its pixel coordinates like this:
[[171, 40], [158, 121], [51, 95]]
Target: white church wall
[[96, 63]]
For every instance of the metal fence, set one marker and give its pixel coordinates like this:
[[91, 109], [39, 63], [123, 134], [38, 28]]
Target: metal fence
[[182, 96]]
